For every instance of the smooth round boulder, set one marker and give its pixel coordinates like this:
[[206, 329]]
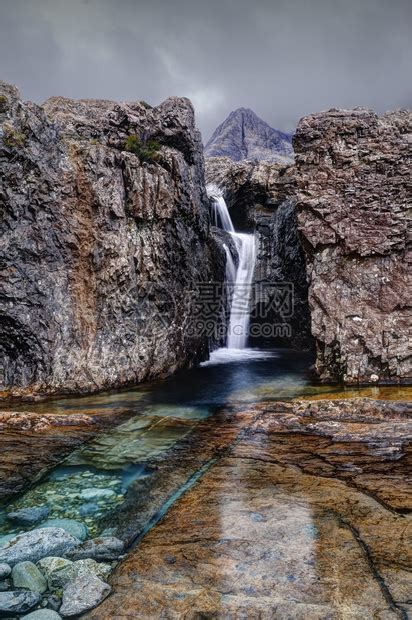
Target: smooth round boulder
[[26, 575]]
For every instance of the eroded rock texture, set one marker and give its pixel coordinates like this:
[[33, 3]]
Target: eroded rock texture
[[100, 250], [353, 174]]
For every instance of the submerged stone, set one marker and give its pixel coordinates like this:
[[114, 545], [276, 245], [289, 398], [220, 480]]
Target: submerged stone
[[27, 575], [88, 509], [95, 494], [75, 528], [28, 516]]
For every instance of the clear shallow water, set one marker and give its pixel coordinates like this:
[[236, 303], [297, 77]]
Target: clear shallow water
[[94, 479]]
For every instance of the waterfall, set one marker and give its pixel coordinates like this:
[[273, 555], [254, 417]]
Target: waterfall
[[240, 278], [220, 213]]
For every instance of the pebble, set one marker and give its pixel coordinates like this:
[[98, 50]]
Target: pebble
[[100, 549], [88, 509], [27, 575], [37, 544], [75, 528], [54, 602], [28, 516], [94, 493], [17, 602], [83, 593]]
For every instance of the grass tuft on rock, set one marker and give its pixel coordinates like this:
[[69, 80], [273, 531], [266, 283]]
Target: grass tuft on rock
[[146, 150]]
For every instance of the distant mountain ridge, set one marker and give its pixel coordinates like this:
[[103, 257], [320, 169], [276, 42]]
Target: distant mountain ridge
[[243, 135]]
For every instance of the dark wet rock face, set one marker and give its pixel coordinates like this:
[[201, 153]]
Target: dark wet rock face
[[303, 512], [243, 135], [353, 191], [101, 247]]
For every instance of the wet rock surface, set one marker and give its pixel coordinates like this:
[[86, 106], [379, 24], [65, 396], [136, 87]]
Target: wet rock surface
[[101, 245], [304, 500], [32, 443], [27, 576], [352, 172]]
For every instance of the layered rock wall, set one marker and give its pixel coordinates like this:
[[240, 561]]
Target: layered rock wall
[[101, 248], [353, 177]]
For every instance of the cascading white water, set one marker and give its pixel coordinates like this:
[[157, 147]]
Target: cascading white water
[[221, 217], [241, 278], [242, 292]]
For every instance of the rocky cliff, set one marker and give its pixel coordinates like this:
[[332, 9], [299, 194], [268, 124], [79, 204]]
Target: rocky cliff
[[353, 175], [105, 234], [243, 135]]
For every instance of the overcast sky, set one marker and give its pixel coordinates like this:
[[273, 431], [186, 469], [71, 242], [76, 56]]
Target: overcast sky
[[282, 58]]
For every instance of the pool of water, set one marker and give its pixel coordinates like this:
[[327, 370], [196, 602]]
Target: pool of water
[[95, 478]]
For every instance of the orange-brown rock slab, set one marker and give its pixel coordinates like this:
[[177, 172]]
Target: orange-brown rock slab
[[265, 535]]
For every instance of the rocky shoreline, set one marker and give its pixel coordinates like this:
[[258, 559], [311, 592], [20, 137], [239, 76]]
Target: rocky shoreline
[[348, 459], [277, 498]]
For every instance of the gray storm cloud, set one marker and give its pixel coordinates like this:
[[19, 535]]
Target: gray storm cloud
[[282, 58]]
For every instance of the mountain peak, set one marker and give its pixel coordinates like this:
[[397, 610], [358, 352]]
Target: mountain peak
[[243, 135]]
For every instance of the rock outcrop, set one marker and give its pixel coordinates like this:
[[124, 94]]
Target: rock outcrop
[[105, 237], [353, 174], [243, 135]]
